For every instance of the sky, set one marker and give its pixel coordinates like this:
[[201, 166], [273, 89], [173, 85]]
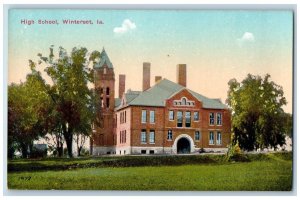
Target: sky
[[215, 45]]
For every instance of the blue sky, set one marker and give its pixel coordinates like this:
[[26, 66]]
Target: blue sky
[[215, 45]]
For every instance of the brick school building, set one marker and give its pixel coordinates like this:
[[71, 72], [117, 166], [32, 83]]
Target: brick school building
[[166, 118]]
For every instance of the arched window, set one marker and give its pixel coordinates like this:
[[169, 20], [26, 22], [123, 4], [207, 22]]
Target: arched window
[[183, 100]]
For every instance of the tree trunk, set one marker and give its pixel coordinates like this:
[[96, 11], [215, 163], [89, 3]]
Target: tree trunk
[[24, 149], [69, 139], [78, 151]]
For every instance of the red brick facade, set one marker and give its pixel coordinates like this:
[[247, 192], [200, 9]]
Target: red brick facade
[[167, 118]]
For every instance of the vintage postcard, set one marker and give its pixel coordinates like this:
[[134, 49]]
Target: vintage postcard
[[150, 99]]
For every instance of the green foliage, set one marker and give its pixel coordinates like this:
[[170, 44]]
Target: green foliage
[[235, 153], [28, 104], [257, 114], [73, 110]]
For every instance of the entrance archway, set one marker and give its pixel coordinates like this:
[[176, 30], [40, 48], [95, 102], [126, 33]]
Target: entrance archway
[[183, 146]]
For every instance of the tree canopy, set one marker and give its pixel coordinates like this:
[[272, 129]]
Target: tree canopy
[[257, 114]]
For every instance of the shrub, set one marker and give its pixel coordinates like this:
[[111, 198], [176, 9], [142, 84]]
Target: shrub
[[235, 153]]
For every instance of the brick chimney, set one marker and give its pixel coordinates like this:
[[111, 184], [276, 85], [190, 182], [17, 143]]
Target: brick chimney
[[121, 85], [146, 76], [181, 74], [157, 79]]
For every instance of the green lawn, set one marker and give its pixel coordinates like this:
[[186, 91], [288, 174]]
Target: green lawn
[[273, 174]]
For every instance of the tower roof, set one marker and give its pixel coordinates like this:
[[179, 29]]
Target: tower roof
[[104, 60]]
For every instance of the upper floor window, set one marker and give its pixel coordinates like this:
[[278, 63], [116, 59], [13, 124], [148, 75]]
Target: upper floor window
[[107, 91], [187, 119], [107, 102], [152, 137], [125, 116], [170, 135], [211, 118], [197, 135], [144, 116], [219, 138], [143, 136], [211, 137], [171, 115], [196, 116], [183, 100], [219, 118], [104, 70], [152, 116], [179, 118]]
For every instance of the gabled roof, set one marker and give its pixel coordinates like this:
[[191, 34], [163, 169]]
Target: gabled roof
[[104, 60], [156, 96], [129, 96]]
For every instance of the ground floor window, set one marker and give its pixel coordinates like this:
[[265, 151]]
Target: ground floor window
[[143, 136], [197, 136], [219, 138], [170, 135], [211, 137], [151, 151], [152, 137]]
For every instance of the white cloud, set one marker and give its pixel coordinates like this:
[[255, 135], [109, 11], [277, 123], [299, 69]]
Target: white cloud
[[126, 26], [247, 37]]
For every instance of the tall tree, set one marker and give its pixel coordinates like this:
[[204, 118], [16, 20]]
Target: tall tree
[[257, 114], [27, 112], [74, 100]]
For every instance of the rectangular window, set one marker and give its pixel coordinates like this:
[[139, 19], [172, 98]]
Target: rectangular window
[[219, 138], [170, 135], [211, 137], [152, 116], [143, 136], [125, 117], [107, 102], [211, 118], [152, 137], [120, 137], [144, 116], [196, 116], [171, 115], [125, 136], [187, 119], [219, 118], [197, 136], [143, 151], [179, 118]]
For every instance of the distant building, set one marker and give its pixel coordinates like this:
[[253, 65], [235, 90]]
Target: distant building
[[167, 118]]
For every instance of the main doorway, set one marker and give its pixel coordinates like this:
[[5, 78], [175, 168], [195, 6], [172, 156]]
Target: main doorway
[[183, 146]]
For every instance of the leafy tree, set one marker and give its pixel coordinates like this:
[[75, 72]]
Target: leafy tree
[[257, 114], [27, 112], [70, 93]]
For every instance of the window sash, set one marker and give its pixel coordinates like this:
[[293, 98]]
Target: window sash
[[197, 135], [196, 116], [211, 118], [152, 116], [171, 115], [143, 137], [170, 135], [144, 116], [219, 138], [219, 119], [179, 119], [152, 137], [211, 138]]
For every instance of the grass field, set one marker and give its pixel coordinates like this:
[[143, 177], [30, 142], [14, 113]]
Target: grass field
[[268, 173]]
